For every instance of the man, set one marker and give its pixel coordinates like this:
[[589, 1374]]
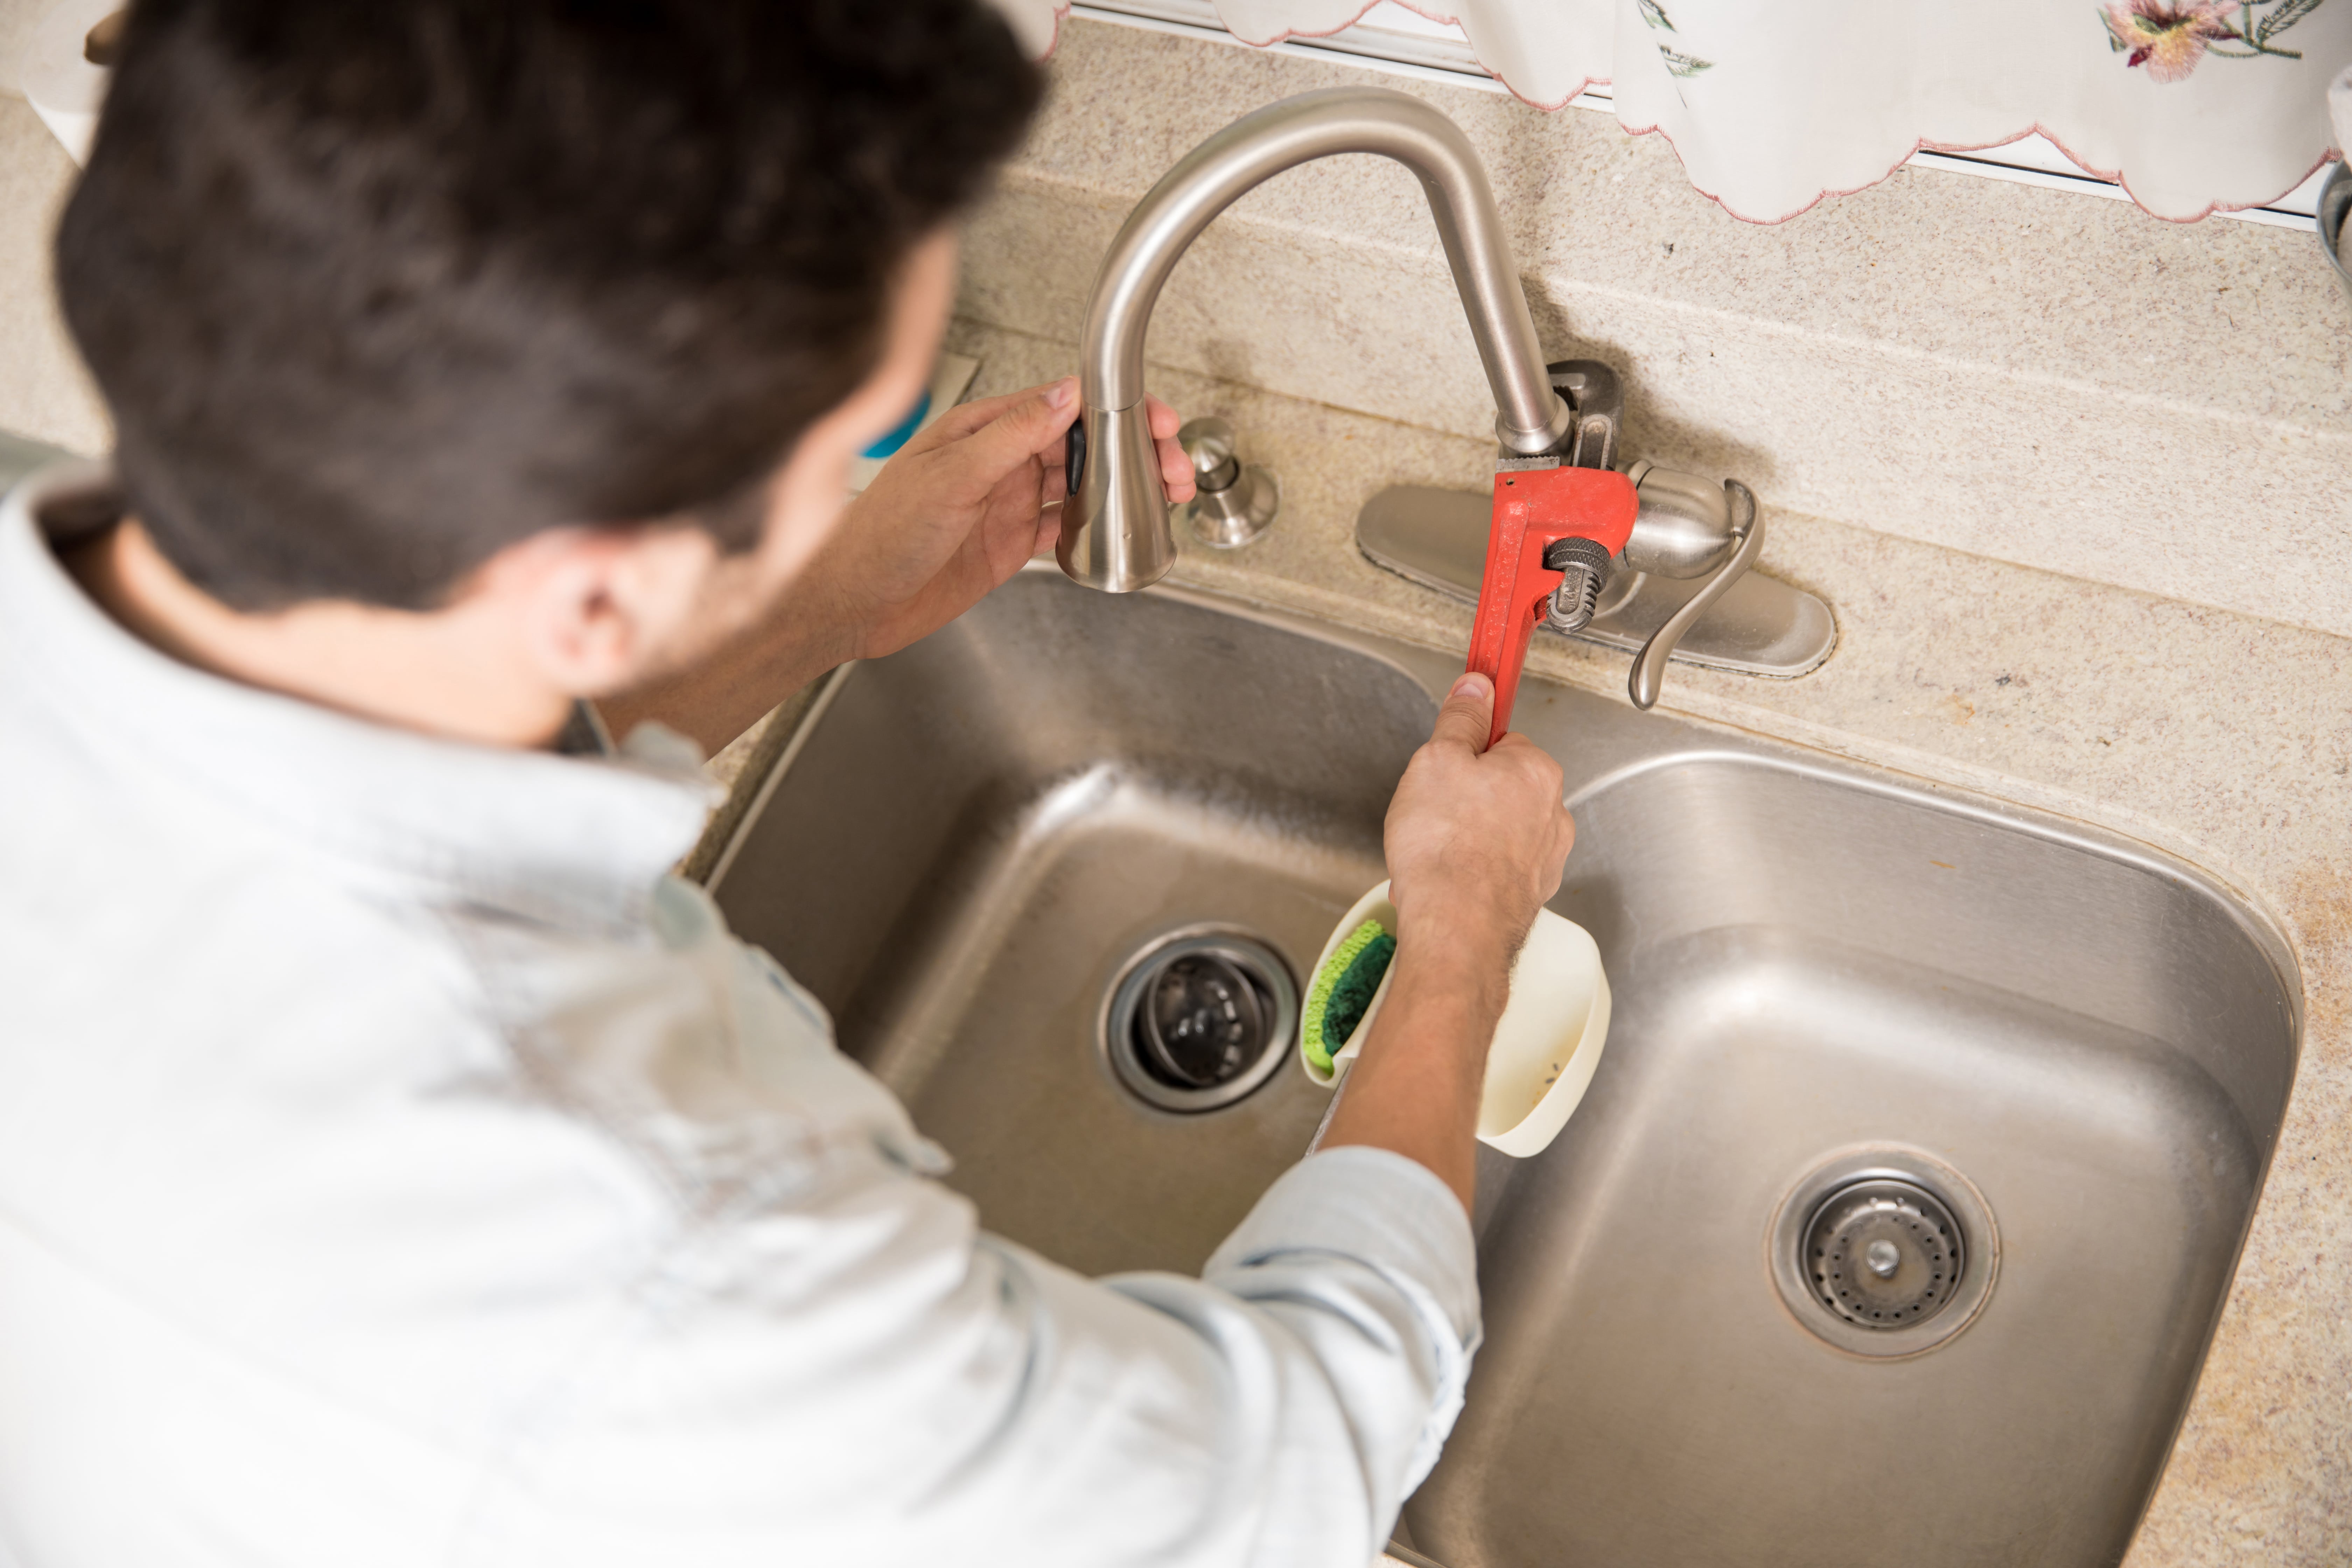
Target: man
[[396, 1165]]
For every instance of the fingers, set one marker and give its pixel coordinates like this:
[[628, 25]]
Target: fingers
[[1015, 426], [1051, 490], [1467, 715], [1176, 476], [1538, 767], [960, 420], [965, 418], [1020, 433]]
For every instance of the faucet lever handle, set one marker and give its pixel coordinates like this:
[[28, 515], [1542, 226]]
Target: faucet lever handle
[[1536, 509], [1648, 676]]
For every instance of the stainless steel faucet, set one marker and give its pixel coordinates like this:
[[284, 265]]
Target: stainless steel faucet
[[1692, 544], [1115, 527]]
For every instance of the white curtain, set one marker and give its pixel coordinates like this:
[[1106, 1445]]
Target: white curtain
[[2191, 104]]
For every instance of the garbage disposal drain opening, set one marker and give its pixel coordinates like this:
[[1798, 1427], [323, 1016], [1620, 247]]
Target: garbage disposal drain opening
[[1202, 1021], [1199, 1018]]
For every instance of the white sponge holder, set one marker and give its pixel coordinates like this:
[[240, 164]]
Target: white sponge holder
[[1548, 1043]]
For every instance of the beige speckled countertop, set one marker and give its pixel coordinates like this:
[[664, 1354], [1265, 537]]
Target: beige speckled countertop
[[2222, 738]]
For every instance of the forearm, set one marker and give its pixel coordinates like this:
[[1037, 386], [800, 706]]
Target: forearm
[[1415, 1086]]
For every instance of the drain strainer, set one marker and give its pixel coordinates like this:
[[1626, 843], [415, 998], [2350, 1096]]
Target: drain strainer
[[1885, 1251], [1199, 1018]]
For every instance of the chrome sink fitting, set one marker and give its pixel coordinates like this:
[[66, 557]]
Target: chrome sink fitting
[[1234, 503], [1693, 542]]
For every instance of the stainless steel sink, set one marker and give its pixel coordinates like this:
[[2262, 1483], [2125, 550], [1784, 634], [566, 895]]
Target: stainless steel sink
[[971, 839], [2031, 1072]]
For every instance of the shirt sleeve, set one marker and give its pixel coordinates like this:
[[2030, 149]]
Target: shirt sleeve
[[852, 1372], [1360, 1250]]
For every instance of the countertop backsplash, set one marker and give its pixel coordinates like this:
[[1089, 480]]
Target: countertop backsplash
[[2034, 376]]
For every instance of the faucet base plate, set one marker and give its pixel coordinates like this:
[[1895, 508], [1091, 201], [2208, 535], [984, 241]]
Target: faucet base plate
[[1762, 627]]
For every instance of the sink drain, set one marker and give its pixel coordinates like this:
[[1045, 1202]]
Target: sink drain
[[1884, 1252], [1198, 1019]]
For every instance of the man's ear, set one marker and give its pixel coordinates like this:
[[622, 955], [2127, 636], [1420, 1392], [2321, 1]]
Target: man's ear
[[596, 610]]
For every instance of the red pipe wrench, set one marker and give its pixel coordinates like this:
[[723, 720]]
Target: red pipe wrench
[[1534, 509]]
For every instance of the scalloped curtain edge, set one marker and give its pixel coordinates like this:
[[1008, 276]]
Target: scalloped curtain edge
[[2114, 177]]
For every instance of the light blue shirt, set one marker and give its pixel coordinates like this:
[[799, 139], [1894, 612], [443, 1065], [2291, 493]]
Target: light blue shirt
[[397, 1165]]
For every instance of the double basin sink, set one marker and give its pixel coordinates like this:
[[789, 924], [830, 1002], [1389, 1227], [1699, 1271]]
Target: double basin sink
[[1893, 1229]]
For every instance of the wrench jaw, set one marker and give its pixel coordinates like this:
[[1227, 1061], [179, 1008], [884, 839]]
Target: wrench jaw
[[1536, 511]]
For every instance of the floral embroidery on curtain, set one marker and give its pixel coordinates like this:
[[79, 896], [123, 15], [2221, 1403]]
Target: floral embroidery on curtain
[[2170, 39]]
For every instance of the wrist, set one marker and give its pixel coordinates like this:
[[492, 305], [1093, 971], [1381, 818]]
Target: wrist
[[1474, 933], [1450, 986], [1471, 965]]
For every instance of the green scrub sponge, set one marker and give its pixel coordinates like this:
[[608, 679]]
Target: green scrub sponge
[[1342, 992]]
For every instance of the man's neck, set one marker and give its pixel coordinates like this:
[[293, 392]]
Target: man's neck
[[444, 673]]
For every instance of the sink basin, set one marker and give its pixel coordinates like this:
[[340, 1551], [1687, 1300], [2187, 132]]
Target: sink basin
[[2033, 1071], [2092, 1045], [972, 839]]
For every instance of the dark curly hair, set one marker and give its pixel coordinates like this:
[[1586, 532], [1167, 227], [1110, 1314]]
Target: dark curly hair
[[375, 288]]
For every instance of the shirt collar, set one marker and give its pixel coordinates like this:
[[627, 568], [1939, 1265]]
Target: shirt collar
[[554, 838]]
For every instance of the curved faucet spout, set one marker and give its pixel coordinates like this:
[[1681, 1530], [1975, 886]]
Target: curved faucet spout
[[1115, 531]]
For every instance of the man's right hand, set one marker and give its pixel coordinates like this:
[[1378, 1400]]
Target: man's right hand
[[1477, 840]]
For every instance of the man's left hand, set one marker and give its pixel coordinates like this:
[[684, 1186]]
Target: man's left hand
[[952, 514], [959, 509]]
